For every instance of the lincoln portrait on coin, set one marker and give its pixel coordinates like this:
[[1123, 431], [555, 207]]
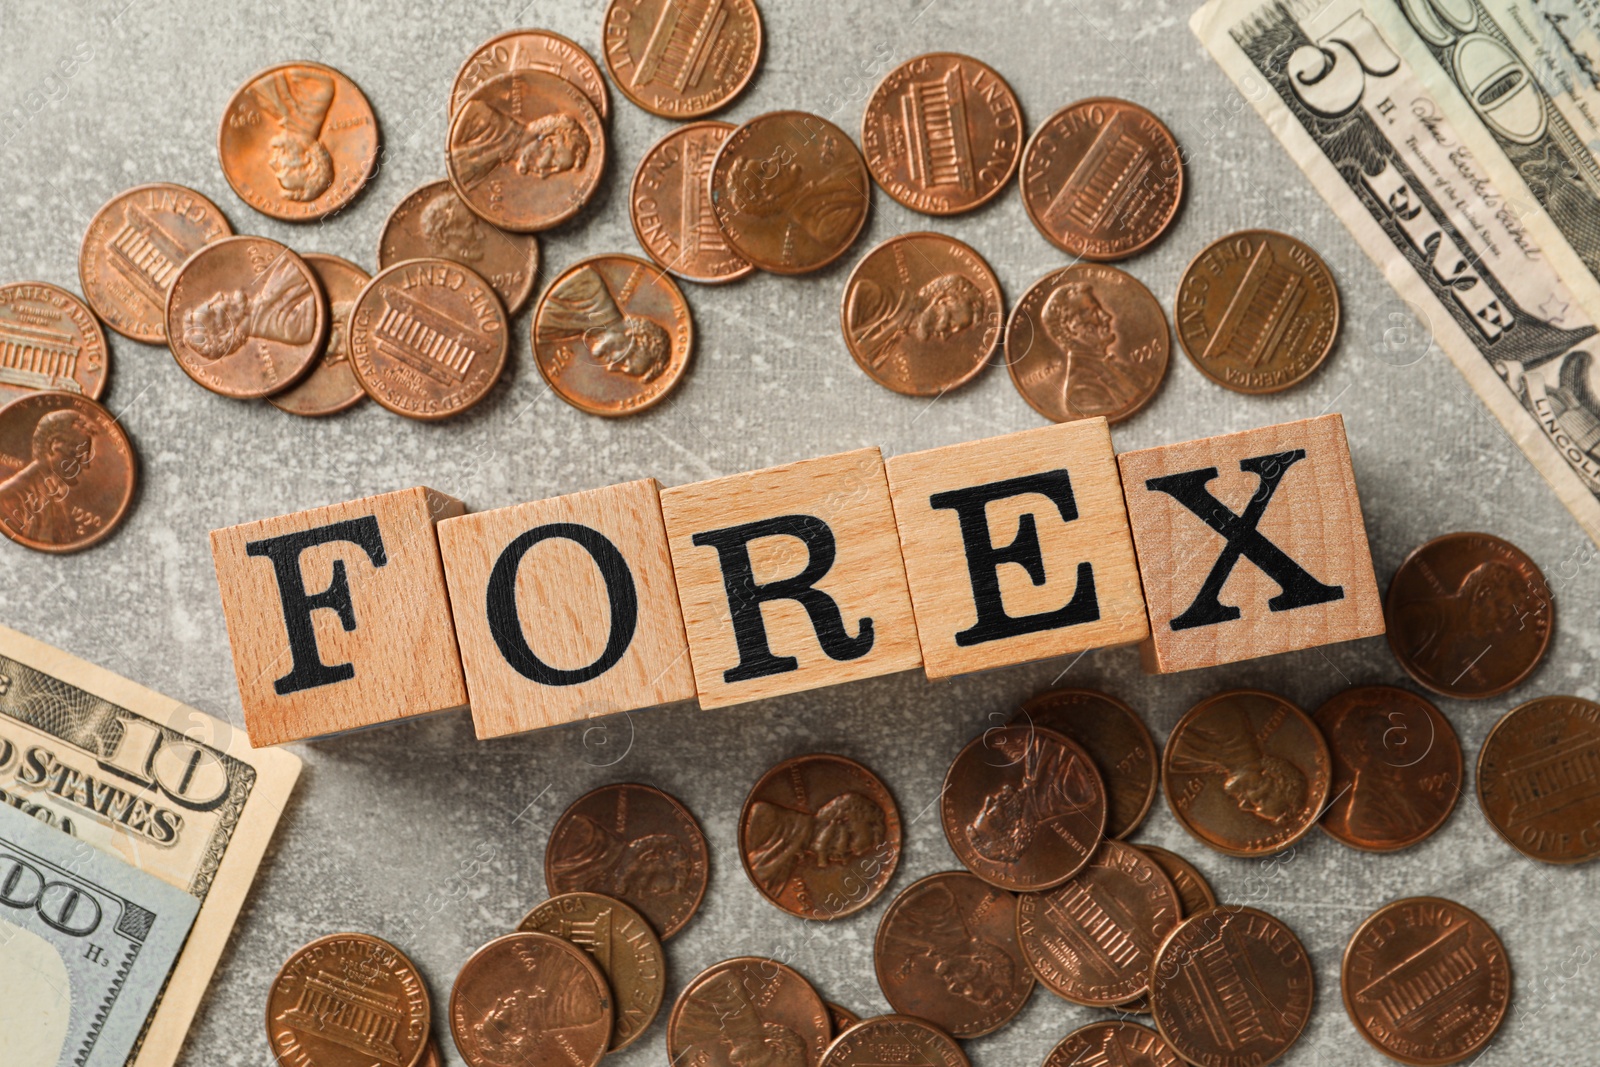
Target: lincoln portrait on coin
[[510, 1031], [33, 501], [486, 138], [1446, 634], [278, 306], [970, 967], [591, 857], [581, 308], [1053, 786], [780, 838], [1095, 379], [1260, 783], [451, 229], [942, 308], [298, 100]]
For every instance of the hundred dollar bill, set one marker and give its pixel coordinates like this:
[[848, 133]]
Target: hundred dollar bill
[[86, 942], [166, 788], [1374, 142]]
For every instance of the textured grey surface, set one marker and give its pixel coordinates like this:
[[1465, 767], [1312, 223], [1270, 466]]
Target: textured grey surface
[[418, 832]]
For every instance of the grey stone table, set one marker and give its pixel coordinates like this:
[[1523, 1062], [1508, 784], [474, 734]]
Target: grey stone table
[[419, 832]]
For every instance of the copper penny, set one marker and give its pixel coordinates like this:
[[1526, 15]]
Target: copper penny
[[49, 341], [133, 248], [634, 843], [1396, 767], [331, 387], [1023, 807], [942, 133], [1469, 615], [1116, 739], [1257, 311], [790, 191], [681, 61], [624, 947], [298, 141], [841, 1017], [434, 223], [947, 951], [530, 1000], [1539, 778], [748, 1010], [1102, 179], [1087, 340], [921, 313], [613, 335], [1102, 1044], [67, 472], [1231, 985], [531, 50], [894, 1039], [428, 338], [670, 205], [1194, 892], [348, 1000]]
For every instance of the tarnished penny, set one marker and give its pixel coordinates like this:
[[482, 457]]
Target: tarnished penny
[[530, 1000], [670, 205], [1231, 985], [624, 947], [947, 951], [1023, 807], [748, 1010], [894, 1039], [331, 387], [819, 836], [526, 150], [681, 60], [428, 338], [1257, 311], [49, 341], [942, 133], [1102, 179], [298, 141], [67, 472], [790, 191], [1469, 615], [133, 248], [1194, 892], [1396, 767], [1087, 340], [348, 1000], [841, 1017], [1109, 1042], [634, 843], [1539, 779], [434, 223], [246, 317], [1426, 981], [921, 313], [1116, 739], [531, 50], [1246, 772], [613, 335]]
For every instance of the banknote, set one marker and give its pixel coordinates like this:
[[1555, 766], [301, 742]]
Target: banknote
[[86, 942], [1375, 143], [164, 787]]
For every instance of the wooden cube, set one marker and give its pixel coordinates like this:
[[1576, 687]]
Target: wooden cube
[[338, 616], [1250, 543], [790, 578], [566, 608], [1017, 548]]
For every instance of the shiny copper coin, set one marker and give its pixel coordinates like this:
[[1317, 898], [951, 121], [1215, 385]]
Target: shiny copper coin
[[1257, 311], [434, 223], [67, 472], [790, 191], [49, 341], [298, 141], [942, 133], [841, 1017], [1087, 340], [530, 1000], [634, 843], [331, 387], [613, 335], [670, 205], [1539, 779], [531, 50], [1194, 892], [894, 1039], [1116, 739], [748, 1010], [624, 947], [1023, 807], [1396, 767], [947, 951], [133, 248], [1119, 1042], [348, 1000], [1102, 179], [1231, 985], [526, 150], [921, 313], [681, 61], [428, 338], [1469, 615]]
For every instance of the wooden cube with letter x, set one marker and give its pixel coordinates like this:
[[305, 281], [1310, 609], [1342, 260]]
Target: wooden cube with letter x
[[1250, 543], [338, 616], [790, 578]]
